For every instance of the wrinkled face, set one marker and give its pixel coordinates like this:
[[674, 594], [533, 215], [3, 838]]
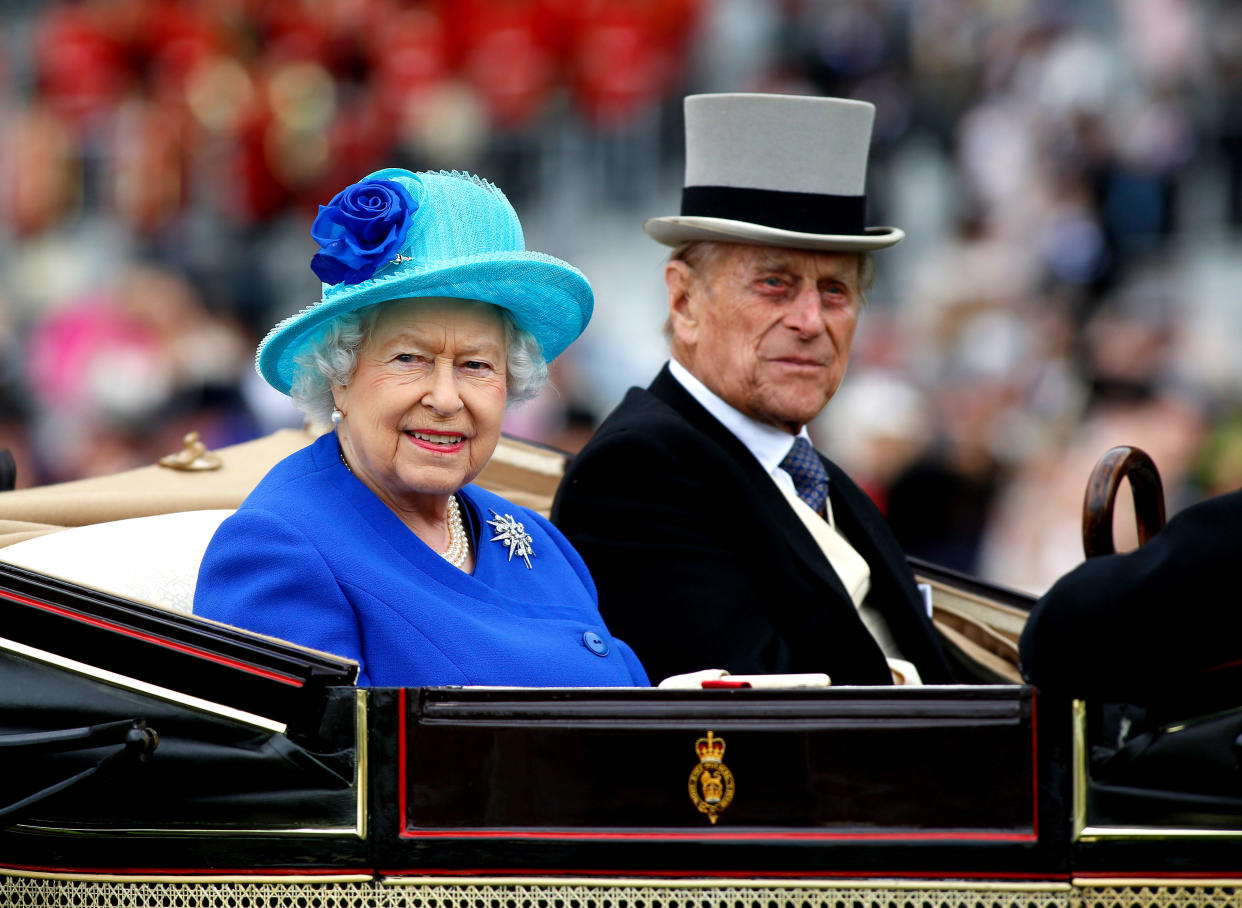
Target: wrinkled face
[[767, 329], [422, 413]]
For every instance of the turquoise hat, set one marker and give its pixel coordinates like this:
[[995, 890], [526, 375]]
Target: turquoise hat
[[397, 234]]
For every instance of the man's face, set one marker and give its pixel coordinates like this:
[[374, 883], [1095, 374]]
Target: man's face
[[767, 329]]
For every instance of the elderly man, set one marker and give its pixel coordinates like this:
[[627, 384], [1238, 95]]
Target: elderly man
[[717, 536]]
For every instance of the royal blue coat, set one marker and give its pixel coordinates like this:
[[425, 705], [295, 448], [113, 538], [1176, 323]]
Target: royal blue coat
[[314, 557]]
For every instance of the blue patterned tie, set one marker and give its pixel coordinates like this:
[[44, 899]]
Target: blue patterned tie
[[809, 476]]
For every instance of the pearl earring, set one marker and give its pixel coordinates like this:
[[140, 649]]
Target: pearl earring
[[337, 416]]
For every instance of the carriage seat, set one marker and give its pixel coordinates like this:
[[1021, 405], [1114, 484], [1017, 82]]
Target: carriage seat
[[151, 559]]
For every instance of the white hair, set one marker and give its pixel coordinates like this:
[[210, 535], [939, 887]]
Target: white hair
[[331, 357]]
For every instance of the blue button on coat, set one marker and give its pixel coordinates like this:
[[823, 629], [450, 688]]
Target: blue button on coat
[[595, 643]]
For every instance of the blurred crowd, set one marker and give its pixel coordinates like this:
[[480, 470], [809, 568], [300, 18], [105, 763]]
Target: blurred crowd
[[1069, 176]]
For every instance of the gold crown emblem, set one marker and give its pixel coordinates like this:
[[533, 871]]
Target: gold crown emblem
[[711, 783], [710, 749]]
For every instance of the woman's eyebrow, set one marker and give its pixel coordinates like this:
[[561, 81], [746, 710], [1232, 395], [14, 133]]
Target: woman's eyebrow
[[484, 349], [424, 341], [404, 339]]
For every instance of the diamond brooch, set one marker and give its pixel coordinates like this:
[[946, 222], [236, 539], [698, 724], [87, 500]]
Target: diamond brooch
[[513, 535]]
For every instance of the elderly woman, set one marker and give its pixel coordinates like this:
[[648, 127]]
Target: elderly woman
[[371, 543]]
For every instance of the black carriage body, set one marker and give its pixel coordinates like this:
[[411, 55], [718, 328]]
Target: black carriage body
[[869, 780], [271, 763]]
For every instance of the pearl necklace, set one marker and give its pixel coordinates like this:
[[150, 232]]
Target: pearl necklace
[[459, 540]]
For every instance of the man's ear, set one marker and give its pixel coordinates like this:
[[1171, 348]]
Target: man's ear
[[682, 308]]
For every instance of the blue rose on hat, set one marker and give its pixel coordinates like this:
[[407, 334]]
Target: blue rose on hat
[[362, 228]]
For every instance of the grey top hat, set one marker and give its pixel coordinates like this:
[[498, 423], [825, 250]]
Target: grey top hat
[[776, 170]]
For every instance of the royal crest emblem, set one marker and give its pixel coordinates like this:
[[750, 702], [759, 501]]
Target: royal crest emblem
[[711, 783]]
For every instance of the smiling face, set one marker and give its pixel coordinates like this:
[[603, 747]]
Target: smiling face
[[424, 407], [768, 330]]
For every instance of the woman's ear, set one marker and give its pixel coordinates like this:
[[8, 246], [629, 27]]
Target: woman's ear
[[340, 397]]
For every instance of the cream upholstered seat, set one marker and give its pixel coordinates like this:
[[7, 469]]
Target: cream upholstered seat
[[150, 559]]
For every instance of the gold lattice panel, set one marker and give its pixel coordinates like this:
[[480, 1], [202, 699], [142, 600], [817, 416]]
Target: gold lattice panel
[[1191, 895], [36, 892], [30, 892]]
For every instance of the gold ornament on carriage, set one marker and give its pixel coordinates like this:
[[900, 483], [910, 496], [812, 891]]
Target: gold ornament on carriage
[[192, 458], [711, 783]]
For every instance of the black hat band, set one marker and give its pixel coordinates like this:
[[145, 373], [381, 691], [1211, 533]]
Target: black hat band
[[800, 212]]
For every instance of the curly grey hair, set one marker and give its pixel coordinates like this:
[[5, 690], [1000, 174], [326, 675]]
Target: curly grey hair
[[332, 356]]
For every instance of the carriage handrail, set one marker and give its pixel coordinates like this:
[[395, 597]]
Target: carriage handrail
[[1121, 462]]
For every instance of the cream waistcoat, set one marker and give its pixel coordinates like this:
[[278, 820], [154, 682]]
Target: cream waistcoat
[[855, 575]]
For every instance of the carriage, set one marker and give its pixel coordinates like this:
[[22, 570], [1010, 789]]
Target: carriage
[[153, 757]]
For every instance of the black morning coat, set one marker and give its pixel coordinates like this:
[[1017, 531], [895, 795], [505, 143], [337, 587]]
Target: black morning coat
[[1161, 622], [701, 563]]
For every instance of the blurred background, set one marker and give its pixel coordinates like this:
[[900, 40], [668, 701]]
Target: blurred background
[[1069, 176]]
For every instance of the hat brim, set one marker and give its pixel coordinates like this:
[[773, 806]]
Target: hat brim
[[548, 297], [678, 229]]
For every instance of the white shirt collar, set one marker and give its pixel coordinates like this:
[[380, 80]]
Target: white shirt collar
[[768, 443]]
